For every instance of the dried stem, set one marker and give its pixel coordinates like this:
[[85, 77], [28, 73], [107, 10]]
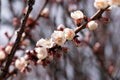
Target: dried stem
[[17, 42]]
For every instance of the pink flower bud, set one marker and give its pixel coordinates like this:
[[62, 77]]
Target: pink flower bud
[[61, 27], [69, 33], [41, 52], [15, 21], [92, 25]]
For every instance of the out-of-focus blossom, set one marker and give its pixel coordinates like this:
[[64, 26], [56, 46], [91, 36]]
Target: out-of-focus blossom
[[61, 27], [114, 2], [100, 4], [15, 21], [72, 7], [45, 12], [2, 55], [20, 63], [25, 10]]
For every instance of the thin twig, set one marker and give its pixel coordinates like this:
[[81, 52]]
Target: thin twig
[[17, 42], [38, 16]]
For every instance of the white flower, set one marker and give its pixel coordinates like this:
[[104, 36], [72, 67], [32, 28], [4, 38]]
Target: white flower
[[48, 43], [69, 33], [41, 52], [114, 2], [8, 49], [77, 14], [45, 11], [2, 55], [58, 37], [92, 25], [20, 63], [100, 4]]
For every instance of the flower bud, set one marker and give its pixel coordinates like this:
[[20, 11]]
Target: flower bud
[[69, 33], [61, 27], [77, 14], [58, 37], [41, 52], [8, 49], [15, 21], [92, 25], [2, 55], [45, 12], [20, 63], [100, 4]]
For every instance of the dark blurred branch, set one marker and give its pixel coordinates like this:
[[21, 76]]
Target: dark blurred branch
[[5, 70], [11, 8]]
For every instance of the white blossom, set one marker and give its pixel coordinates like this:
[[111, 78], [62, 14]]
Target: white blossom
[[77, 14], [41, 52], [58, 37], [100, 4], [92, 25], [69, 33], [48, 43], [20, 63]]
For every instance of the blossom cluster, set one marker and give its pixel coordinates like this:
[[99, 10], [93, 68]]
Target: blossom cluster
[[45, 47]]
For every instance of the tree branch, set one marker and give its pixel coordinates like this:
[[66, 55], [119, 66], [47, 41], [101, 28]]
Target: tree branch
[[5, 70]]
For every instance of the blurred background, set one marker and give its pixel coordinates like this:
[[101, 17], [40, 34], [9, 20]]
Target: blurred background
[[79, 63]]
